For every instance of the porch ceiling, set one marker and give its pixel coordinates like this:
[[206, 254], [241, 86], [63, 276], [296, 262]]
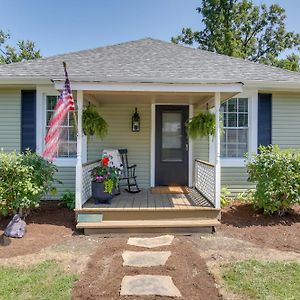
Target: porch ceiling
[[199, 99]]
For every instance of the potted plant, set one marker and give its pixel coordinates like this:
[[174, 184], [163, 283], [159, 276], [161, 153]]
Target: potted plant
[[105, 181], [201, 125], [93, 123]]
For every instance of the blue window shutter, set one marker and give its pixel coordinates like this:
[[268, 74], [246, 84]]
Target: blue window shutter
[[264, 134], [28, 120]]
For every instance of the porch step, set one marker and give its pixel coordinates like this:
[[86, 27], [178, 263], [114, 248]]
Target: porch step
[[151, 226], [149, 214]]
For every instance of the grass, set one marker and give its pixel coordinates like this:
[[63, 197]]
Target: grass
[[44, 281], [257, 280]]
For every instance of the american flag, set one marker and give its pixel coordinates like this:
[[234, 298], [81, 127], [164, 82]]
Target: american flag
[[64, 104]]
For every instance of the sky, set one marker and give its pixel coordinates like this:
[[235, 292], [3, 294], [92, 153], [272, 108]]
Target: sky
[[60, 26]]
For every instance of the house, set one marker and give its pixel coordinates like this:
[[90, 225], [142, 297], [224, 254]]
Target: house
[[167, 83]]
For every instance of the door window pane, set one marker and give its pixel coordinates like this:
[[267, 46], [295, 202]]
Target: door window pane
[[171, 136]]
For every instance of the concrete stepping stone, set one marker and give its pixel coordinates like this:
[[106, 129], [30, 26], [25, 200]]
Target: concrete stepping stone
[[146, 285], [158, 241], [145, 258]]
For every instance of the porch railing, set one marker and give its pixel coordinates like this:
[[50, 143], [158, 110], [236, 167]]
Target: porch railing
[[86, 180], [205, 180]]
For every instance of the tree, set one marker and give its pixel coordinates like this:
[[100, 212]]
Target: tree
[[25, 50], [241, 29]]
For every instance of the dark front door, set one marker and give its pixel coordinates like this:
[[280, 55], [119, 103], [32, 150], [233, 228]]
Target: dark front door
[[171, 145]]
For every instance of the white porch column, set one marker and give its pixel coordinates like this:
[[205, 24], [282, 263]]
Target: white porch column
[[217, 100], [78, 189]]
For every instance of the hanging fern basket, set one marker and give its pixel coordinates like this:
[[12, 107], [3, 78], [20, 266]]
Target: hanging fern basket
[[93, 124], [201, 125]]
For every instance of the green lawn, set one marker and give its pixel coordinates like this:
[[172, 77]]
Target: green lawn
[[44, 281], [258, 280]]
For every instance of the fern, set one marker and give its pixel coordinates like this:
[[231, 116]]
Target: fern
[[201, 125], [93, 123]]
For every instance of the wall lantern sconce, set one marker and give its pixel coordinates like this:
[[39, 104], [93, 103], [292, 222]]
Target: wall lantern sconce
[[135, 124]]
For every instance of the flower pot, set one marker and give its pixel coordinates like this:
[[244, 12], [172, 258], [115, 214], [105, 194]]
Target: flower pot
[[98, 193]]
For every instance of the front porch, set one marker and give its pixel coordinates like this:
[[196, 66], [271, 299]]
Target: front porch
[[193, 210], [149, 212], [154, 201], [199, 209]]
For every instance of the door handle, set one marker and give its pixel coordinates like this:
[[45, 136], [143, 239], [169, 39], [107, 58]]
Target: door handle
[[186, 147]]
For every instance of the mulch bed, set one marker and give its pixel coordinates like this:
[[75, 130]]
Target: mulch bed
[[47, 225], [103, 276], [242, 221]]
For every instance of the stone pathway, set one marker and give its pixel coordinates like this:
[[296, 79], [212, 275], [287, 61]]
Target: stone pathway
[[145, 258], [159, 241], [148, 285]]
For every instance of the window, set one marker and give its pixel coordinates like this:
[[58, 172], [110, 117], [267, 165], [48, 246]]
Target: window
[[234, 140], [67, 147]]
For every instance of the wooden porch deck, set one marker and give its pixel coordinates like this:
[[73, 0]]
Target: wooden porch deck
[[147, 199], [148, 212]]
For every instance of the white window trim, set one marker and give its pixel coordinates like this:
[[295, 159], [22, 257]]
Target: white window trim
[[252, 96], [41, 98]]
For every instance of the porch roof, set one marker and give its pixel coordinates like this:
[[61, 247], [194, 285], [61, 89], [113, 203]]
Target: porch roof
[[147, 60], [200, 99]]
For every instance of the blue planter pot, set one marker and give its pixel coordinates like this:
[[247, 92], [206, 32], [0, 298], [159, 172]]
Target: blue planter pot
[[98, 193]]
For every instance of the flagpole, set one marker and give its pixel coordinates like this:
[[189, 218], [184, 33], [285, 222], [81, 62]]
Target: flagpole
[[74, 114]]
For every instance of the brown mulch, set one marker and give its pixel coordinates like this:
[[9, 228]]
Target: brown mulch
[[47, 225], [103, 276], [242, 221]]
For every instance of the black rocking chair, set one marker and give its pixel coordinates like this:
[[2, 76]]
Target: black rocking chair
[[128, 174]]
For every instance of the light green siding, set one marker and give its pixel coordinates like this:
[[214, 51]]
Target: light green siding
[[285, 133], [235, 179], [118, 117], [286, 120], [67, 176], [10, 120]]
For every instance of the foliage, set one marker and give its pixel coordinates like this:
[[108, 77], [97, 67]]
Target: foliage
[[247, 196], [93, 123], [201, 125], [68, 200], [242, 29], [106, 174], [277, 177], [45, 280], [225, 197], [263, 280], [291, 62], [24, 179], [25, 50]]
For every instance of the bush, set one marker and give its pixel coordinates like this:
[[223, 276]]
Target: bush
[[277, 177], [246, 196], [68, 200], [24, 179], [225, 197]]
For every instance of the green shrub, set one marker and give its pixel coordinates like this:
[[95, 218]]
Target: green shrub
[[68, 200], [24, 179], [277, 177], [225, 197], [246, 196]]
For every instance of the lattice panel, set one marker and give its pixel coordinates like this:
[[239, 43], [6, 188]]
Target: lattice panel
[[86, 180], [205, 180]]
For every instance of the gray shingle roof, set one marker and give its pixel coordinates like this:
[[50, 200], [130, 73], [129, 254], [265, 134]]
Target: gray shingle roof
[[147, 60]]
